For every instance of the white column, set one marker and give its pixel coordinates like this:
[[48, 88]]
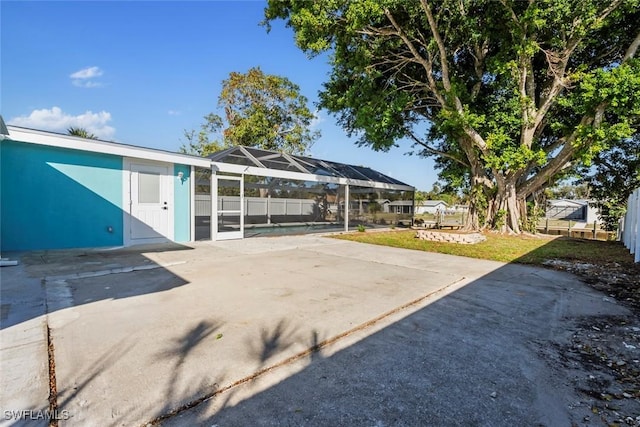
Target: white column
[[630, 241], [346, 207], [214, 205], [192, 204], [242, 211], [269, 208], [626, 226]]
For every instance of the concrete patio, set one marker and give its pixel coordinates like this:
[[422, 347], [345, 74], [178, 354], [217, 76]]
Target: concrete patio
[[302, 330]]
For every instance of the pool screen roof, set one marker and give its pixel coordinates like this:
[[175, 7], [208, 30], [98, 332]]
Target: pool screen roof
[[256, 157]]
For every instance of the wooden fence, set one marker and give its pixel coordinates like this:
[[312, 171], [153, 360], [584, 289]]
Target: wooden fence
[[630, 225]]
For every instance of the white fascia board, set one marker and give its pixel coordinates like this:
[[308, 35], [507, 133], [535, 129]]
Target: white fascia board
[[32, 136], [251, 170]]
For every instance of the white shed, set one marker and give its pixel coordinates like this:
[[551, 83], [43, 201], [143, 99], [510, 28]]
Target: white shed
[[431, 206]]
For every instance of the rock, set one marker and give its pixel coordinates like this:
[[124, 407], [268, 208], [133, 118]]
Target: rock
[[494, 395], [439, 236]]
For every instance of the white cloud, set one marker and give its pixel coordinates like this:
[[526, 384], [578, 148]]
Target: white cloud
[[83, 77], [174, 112], [86, 83], [318, 118], [56, 120], [87, 73]]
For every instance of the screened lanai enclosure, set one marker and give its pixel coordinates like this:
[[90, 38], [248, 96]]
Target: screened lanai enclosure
[[262, 192]]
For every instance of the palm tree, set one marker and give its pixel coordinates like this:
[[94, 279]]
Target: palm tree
[[81, 132]]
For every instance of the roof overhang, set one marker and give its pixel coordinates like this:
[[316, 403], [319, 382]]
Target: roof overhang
[[252, 170], [32, 136]]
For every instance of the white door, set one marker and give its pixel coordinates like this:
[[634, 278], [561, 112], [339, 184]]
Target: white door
[[228, 219], [151, 203]]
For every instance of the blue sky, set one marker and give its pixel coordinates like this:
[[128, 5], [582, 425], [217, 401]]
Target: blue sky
[[141, 72]]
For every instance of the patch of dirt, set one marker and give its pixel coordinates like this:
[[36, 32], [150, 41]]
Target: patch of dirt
[[607, 348], [619, 281]]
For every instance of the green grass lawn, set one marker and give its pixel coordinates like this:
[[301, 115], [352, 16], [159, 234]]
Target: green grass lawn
[[497, 247]]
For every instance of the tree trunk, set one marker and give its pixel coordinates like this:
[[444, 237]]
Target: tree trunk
[[504, 210], [477, 205], [472, 220]]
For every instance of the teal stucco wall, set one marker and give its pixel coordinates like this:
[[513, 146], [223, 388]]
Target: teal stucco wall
[[182, 206], [53, 198]]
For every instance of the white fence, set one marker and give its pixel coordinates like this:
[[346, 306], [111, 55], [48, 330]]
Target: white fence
[[630, 226], [257, 205]]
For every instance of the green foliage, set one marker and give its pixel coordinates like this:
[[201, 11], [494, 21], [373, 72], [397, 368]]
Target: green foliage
[[81, 132], [200, 143], [374, 207], [508, 90], [438, 192], [506, 248], [567, 190], [614, 175], [419, 197], [260, 110], [361, 228], [479, 202], [499, 220], [534, 213]]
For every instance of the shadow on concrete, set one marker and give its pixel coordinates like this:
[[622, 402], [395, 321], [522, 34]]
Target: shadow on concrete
[[263, 350], [67, 278], [272, 342], [178, 352], [86, 378], [486, 354]]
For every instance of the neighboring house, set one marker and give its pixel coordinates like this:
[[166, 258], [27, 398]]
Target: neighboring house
[[460, 208], [431, 206], [574, 210], [60, 191], [383, 205], [401, 206]]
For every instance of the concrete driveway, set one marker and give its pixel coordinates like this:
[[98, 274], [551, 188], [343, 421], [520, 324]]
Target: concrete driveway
[[302, 330]]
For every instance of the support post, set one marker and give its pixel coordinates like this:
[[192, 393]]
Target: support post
[[213, 225], [192, 204], [269, 208], [346, 207]]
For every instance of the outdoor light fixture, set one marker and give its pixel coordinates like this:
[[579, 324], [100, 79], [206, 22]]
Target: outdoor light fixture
[[180, 175]]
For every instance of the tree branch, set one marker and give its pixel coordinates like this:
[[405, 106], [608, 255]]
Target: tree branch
[[419, 58], [633, 48], [558, 64], [443, 52], [436, 152]]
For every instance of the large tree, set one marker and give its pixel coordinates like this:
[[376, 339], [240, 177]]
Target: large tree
[[259, 110], [508, 93]]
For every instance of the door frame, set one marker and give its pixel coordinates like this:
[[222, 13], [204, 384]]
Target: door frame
[[127, 202], [225, 235]]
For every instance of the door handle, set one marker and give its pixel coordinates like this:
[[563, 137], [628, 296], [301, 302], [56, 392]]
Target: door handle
[[165, 208]]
